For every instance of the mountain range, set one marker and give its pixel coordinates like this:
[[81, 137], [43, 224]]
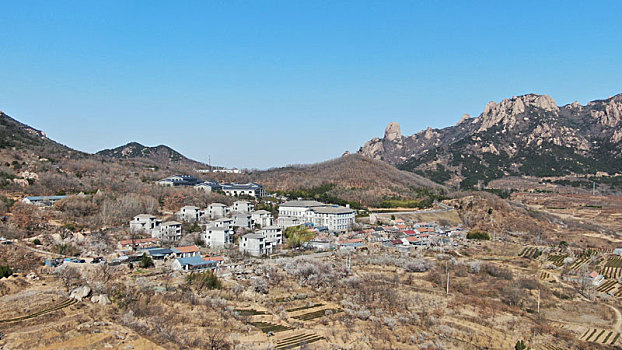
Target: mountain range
[[524, 135]]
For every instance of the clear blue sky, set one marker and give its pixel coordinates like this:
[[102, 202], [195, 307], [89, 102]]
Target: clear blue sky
[[270, 83]]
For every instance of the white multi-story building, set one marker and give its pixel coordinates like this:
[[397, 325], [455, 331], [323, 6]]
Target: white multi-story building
[[217, 210], [250, 189], [144, 223], [189, 213], [170, 231], [253, 244], [335, 218], [243, 220], [274, 237], [217, 237], [262, 218], [242, 207]]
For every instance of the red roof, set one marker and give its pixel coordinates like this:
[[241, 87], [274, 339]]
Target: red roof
[[188, 249], [594, 274], [214, 258], [397, 241], [401, 227], [412, 238], [425, 229], [410, 232]]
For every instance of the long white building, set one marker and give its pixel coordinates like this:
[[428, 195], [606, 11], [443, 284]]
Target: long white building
[[335, 218]]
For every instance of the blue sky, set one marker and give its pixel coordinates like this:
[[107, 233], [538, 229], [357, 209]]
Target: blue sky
[[270, 83]]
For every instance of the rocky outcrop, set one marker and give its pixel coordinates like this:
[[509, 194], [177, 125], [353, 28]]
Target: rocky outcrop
[[522, 135], [80, 293]]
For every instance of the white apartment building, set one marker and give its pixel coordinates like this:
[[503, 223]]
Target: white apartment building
[[242, 207], [170, 231], [335, 218], [189, 213], [262, 218], [217, 237], [144, 223], [253, 244], [217, 210]]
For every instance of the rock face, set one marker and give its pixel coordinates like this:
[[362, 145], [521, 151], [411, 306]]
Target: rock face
[[101, 299], [524, 135], [80, 293]]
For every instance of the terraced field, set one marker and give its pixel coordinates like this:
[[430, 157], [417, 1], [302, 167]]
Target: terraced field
[[545, 276], [297, 341], [530, 252], [613, 268], [557, 260], [55, 307], [305, 307], [268, 327], [601, 336], [315, 314], [249, 312]]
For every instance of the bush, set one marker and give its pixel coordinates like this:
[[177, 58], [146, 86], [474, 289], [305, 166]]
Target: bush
[[203, 280], [5, 271], [36, 241], [66, 249], [478, 235], [146, 261]]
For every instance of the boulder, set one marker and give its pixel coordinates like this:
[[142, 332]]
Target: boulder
[[80, 293]]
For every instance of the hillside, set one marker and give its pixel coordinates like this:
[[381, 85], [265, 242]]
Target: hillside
[[355, 178], [24, 138], [161, 154], [525, 135]]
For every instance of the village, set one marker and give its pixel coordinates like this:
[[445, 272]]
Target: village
[[289, 273]]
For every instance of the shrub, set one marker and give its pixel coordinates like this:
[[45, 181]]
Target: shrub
[[202, 280], [146, 261], [5, 271], [36, 241], [66, 249], [478, 235]]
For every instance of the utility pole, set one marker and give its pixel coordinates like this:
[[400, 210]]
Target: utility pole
[[593, 188], [538, 300]]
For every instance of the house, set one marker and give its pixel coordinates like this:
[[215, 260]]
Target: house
[[42, 201], [617, 251], [217, 210], [262, 218], [335, 218], [193, 263], [189, 213], [139, 243], [273, 233], [273, 236], [144, 223], [223, 223], [179, 180], [159, 253], [217, 237], [242, 207], [208, 186], [243, 220], [170, 231], [596, 278], [253, 244], [318, 245], [249, 189], [220, 260], [186, 251]]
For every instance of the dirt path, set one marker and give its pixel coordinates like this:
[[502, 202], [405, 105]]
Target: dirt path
[[618, 325]]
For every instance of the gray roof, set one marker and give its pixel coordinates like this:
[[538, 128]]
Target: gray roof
[[253, 236], [171, 223], [217, 205], [144, 216], [303, 204], [274, 227], [333, 210], [261, 212]]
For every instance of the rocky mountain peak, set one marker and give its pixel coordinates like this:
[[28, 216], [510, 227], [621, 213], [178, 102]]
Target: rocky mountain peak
[[393, 132]]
